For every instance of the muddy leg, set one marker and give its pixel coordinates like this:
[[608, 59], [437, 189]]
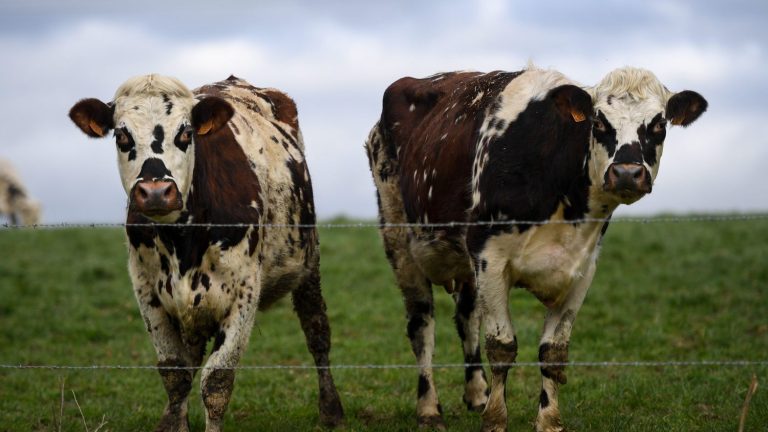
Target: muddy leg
[[310, 307], [553, 348], [467, 320]]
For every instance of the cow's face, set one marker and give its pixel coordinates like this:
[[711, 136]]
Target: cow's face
[[632, 113], [156, 121]]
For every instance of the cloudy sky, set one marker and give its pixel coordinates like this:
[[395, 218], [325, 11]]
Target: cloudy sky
[[335, 58]]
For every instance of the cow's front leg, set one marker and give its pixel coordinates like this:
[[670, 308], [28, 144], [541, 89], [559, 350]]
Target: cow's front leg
[[218, 375], [500, 339], [553, 348], [468, 326], [175, 359]]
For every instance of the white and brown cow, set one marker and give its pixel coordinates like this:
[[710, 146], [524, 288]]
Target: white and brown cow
[[226, 153], [505, 147], [15, 202]]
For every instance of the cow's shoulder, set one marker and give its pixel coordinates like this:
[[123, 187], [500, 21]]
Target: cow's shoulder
[[533, 151]]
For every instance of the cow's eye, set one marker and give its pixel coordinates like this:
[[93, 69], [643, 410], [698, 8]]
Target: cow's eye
[[185, 135], [121, 138], [660, 127], [598, 124]]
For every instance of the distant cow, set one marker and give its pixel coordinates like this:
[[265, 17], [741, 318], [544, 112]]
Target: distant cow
[[227, 153], [510, 146], [15, 202]]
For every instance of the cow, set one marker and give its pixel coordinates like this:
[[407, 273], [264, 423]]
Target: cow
[[531, 165], [15, 203], [220, 225]]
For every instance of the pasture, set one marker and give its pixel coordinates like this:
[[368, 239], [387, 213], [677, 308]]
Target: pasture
[[664, 291]]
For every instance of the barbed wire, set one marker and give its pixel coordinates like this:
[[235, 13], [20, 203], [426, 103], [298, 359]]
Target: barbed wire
[[453, 224], [651, 363]]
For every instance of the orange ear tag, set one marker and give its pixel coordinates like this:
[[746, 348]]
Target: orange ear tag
[[205, 128], [96, 128], [578, 117]]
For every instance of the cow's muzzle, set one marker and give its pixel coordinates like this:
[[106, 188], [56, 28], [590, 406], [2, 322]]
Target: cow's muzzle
[[155, 198], [627, 180]]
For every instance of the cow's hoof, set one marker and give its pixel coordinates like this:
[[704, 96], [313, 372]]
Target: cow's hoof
[[552, 427], [478, 408], [332, 417], [434, 422], [548, 420], [494, 427], [331, 411], [172, 423], [556, 428]]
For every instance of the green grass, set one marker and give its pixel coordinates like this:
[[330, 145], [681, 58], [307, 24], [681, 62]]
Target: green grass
[[663, 291]]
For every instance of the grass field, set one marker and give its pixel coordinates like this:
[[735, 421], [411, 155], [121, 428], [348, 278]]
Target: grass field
[[663, 291]]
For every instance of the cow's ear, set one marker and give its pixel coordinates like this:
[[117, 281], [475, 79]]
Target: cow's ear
[[93, 117], [210, 114], [685, 107], [573, 103]]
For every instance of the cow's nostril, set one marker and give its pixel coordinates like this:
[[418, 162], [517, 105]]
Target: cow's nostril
[[143, 193]]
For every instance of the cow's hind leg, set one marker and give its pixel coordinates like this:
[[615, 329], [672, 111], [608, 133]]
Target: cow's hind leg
[[419, 307], [416, 289], [553, 348], [467, 320], [310, 307]]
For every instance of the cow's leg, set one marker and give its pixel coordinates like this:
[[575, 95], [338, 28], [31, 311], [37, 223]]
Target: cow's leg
[[417, 295], [553, 348], [419, 307], [218, 375], [500, 339], [310, 307], [173, 354], [416, 289], [467, 320]]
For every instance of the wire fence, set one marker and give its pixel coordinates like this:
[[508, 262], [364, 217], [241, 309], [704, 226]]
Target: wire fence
[[592, 364], [453, 224], [353, 225]]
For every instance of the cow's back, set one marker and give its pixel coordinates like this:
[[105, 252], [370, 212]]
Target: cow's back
[[431, 127], [265, 126]]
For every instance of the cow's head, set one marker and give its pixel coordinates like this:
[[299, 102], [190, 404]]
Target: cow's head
[[156, 120], [632, 113]]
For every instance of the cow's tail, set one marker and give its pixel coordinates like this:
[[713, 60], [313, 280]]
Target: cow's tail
[[385, 167], [384, 164]]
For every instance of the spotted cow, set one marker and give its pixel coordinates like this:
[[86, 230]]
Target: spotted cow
[[15, 203], [230, 154], [521, 148]]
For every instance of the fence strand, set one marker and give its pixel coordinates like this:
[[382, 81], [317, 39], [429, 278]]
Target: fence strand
[[595, 364], [348, 225]]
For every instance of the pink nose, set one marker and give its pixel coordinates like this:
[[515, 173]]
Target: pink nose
[[628, 177], [155, 198]]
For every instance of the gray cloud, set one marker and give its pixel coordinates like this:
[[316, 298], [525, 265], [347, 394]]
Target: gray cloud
[[336, 59]]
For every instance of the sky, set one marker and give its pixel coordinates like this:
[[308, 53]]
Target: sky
[[336, 58]]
